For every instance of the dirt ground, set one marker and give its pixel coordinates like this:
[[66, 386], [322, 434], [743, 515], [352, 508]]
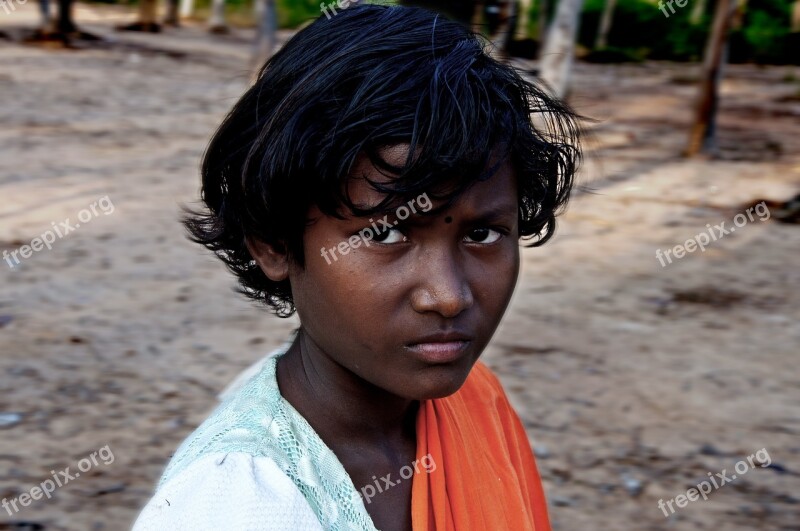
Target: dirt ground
[[636, 381]]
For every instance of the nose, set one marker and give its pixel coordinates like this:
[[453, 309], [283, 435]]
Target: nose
[[442, 284]]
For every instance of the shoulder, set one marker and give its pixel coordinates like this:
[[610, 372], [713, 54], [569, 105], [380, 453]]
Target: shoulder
[[241, 424], [228, 491]]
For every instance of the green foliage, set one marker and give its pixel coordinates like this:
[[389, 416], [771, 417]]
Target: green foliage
[[764, 37], [639, 26], [533, 19], [610, 54], [639, 29], [293, 13]]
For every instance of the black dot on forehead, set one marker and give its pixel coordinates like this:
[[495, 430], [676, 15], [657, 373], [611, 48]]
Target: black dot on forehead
[[448, 219]]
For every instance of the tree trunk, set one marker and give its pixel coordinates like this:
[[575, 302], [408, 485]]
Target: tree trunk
[[558, 53], [702, 135], [216, 23], [605, 24], [461, 10], [187, 8], [795, 17], [44, 12], [64, 23], [147, 18], [147, 12], [541, 30], [266, 37], [698, 9], [500, 28], [171, 18], [737, 20], [524, 19]]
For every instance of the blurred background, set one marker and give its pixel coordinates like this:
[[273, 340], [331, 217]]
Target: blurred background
[[639, 363]]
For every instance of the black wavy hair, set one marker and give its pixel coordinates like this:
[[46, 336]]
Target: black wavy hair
[[369, 77]]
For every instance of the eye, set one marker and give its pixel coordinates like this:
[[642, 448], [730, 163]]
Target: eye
[[389, 236], [483, 235]]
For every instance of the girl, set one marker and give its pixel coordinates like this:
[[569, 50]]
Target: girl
[[387, 138]]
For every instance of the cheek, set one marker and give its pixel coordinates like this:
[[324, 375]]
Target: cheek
[[498, 278], [342, 295]]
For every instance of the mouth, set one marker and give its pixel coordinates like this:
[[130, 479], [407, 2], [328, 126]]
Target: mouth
[[440, 348]]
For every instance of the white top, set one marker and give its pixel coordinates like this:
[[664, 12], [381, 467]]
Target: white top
[[255, 464], [235, 491]]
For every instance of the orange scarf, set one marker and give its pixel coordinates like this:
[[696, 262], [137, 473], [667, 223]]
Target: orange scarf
[[485, 476]]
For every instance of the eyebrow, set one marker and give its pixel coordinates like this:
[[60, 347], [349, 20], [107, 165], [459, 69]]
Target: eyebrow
[[493, 214]]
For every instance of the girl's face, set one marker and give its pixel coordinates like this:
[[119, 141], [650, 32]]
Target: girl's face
[[411, 309]]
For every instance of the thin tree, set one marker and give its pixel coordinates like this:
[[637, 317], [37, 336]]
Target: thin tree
[[64, 21], [524, 19], [541, 27], [147, 14], [266, 36], [171, 18], [698, 8], [605, 24], [216, 24], [44, 12], [64, 28], [463, 11], [558, 53], [702, 138], [501, 22], [147, 18], [59, 29], [187, 8], [795, 26]]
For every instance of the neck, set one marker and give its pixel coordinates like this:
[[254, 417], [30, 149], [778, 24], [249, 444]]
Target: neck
[[338, 404]]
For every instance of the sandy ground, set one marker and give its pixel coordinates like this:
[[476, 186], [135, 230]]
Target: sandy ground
[[635, 380]]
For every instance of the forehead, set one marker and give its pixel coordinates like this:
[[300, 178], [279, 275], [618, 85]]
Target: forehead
[[359, 189], [500, 186]]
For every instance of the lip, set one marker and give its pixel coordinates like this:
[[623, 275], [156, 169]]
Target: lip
[[443, 347]]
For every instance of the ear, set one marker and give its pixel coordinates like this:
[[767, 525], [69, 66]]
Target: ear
[[273, 260]]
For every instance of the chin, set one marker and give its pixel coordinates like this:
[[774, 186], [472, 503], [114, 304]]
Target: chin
[[439, 385]]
